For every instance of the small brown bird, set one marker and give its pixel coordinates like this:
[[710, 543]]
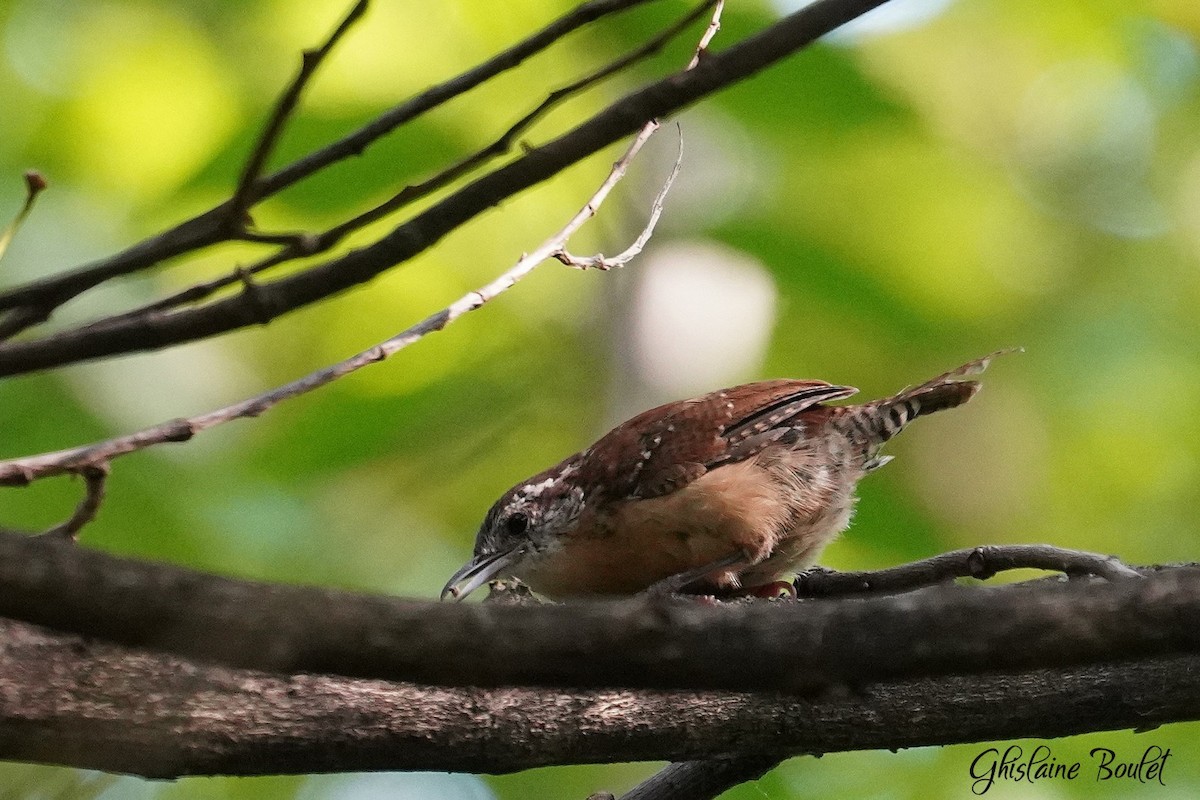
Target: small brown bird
[[738, 488]]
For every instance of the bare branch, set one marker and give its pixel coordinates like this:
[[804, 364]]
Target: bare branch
[[34, 302], [94, 476], [28, 305], [357, 142], [971, 562], [602, 262], [501, 145], [19, 472], [301, 243], [714, 25], [245, 195], [35, 184], [305, 245], [713, 72]]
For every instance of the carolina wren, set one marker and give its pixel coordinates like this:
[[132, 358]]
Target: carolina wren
[[738, 488]]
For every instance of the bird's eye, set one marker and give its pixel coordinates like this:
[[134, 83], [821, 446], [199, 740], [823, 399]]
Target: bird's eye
[[516, 524]]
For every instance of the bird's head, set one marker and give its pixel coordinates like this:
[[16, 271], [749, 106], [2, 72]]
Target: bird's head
[[527, 521]]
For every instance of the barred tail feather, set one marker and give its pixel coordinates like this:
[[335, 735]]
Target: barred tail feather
[[970, 368], [936, 398], [874, 423]]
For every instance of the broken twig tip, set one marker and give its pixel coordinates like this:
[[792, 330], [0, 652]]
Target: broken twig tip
[[35, 183]]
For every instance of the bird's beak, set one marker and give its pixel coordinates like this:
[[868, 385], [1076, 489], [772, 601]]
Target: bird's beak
[[479, 570]]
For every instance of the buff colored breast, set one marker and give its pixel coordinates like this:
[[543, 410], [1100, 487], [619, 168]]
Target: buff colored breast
[[760, 507]]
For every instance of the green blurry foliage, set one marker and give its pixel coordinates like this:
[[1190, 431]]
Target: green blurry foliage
[[998, 173]]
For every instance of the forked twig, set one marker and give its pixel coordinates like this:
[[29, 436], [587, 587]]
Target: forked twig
[[603, 262], [297, 245], [972, 562], [310, 60], [94, 476]]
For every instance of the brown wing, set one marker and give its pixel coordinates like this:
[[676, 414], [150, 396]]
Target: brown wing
[[678, 442]]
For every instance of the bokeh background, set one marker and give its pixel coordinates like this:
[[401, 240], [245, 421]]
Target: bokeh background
[[945, 178]]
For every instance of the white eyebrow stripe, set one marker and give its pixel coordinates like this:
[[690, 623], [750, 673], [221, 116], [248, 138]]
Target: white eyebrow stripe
[[536, 489]]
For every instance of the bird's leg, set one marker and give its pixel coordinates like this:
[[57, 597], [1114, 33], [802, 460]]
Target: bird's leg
[[681, 580]]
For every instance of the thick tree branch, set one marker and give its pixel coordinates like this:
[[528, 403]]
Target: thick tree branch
[[671, 94], [702, 780], [79, 702], [646, 642]]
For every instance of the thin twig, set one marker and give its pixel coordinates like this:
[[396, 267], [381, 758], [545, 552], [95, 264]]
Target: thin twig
[[94, 476], [302, 243], [35, 301], [22, 471], [602, 262], [355, 143], [246, 193], [35, 184], [714, 25], [501, 145], [972, 562]]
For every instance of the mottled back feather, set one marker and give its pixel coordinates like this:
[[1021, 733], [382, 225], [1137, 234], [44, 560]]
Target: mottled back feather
[[679, 442]]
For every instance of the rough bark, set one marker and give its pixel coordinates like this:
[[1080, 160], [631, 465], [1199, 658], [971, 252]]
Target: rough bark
[[69, 700], [644, 642]]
